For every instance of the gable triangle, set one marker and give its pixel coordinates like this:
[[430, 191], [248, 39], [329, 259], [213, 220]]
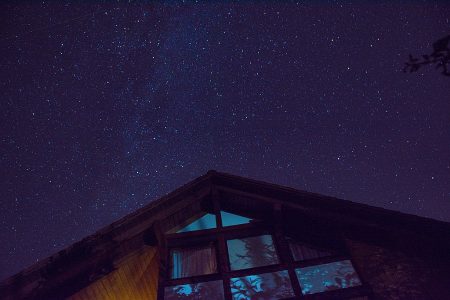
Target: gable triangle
[[208, 221], [229, 219]]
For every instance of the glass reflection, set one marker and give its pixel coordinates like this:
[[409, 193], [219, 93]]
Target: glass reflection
[[229, 219], [266, 286], [327, 277], [208, 221], [251, 252], [198, 291]]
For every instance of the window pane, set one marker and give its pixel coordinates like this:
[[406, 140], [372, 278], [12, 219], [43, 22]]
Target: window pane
[[303, 252], [266, 286], [327, 277], [251, 252], [229, 219], [193, 261], [208, 221], [198, 291]]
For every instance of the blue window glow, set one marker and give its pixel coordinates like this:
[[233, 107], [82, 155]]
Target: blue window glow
[[208, 221], [267, 286], [229, 219], [327, 277], [251, 252], [197, 291]]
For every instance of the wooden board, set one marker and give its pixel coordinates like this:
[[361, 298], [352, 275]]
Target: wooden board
[[135, 278]]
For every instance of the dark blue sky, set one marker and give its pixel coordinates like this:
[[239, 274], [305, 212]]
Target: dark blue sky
[[106, 107]]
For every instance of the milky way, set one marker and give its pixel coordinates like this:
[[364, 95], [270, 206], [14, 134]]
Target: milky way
[[107, 107]]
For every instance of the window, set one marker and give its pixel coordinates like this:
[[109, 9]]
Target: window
[[251, 252], [327, 277], [244, 260], [208, 221], [187, 262], [265, 286], [229, 219]]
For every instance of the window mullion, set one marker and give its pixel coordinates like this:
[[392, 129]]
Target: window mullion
[[222, 256], [283, 249]]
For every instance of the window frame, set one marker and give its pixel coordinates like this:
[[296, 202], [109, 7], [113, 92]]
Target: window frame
[[218, 237]]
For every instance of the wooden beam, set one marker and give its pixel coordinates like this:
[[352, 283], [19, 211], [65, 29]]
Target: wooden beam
[[146, 220], [212, 234], [283, 248], [163, 259], [221, 245]]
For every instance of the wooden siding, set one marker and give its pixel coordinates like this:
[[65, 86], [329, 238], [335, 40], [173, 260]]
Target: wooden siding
[[114, 263], [135, 278]]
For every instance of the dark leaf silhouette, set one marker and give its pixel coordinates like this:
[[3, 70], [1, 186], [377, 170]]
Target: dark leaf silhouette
[[412, 59], [440, 56], [259, 251], [195, 291]]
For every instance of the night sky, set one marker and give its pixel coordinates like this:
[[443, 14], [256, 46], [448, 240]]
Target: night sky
[[106, 107]]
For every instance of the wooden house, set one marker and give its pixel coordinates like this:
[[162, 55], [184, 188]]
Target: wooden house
[[230, 238]]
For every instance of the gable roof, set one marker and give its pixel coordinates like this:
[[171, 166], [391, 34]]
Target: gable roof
[[100, 253]]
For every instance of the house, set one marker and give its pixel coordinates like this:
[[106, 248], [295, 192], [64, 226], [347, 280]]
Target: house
[[226, 237]]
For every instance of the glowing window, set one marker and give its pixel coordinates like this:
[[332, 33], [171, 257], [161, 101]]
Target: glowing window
[[196, 291], [327, 277], [265, 286], [229, 219], [251, 252], [208, 221]]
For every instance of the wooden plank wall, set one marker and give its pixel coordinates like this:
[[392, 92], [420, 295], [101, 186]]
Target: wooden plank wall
[[135, 278]]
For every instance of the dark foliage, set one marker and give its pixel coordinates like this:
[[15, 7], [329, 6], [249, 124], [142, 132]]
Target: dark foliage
[[439, 57]]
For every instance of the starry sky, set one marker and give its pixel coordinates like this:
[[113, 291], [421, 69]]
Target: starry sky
[[106, 107]]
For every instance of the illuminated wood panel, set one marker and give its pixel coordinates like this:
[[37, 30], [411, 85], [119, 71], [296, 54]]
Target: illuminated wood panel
[[135, 278]]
